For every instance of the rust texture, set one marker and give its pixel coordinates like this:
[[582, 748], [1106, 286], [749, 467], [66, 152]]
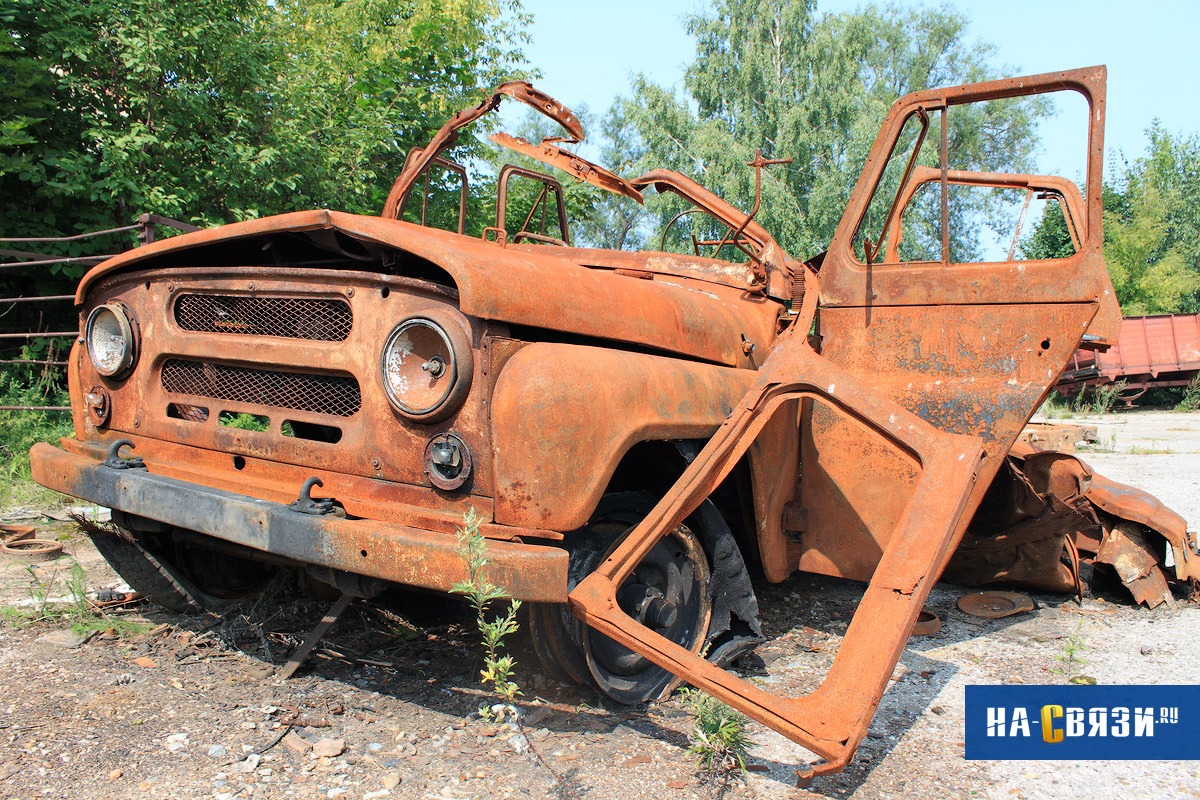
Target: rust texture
[[333, 392]]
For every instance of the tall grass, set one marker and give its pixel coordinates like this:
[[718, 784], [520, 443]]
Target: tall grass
[[26, 385]]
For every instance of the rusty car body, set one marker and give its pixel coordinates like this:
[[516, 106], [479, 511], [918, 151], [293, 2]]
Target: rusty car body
[[638, 430]]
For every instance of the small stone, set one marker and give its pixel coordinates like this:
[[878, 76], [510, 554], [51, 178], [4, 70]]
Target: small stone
[[939, 710], [248, 764], [329, 748], [377, 795], [249, 726], [391, 780], [175, 742], [116, 773], [1147, 651], [66, 639], [297, 743], [336, 793], [217, 751], [374, 747]]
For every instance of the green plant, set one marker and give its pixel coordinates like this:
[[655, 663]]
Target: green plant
[[1071, 660], [1056, 407], [75, 609], [23, 385], [1191, 396], [481, 593], [719, 741]]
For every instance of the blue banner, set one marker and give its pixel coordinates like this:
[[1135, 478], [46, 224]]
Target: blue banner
[[1093, 723]]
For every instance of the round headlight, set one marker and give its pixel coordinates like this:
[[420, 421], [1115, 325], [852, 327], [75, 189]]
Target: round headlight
[[111, 340], [426, 368]]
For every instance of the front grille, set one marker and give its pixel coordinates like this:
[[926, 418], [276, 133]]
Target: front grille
[[322, 394], [325, 320]]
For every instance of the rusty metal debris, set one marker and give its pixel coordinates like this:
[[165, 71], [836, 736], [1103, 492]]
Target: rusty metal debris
[[636, 430], [927, 624], [30, 550], [1047, 513], [1058, 436], [995, 604]]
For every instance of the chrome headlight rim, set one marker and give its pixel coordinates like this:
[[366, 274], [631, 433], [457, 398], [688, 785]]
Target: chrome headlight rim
[[453, 361], [126, 330]]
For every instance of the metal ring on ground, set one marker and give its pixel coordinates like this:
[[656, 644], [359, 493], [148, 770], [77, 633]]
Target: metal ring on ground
[[31, 551], [994, 605]]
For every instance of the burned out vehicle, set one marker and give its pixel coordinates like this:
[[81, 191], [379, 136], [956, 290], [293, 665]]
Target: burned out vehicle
[[640, 431]]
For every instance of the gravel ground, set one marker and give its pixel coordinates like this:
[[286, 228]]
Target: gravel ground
[[191, 708]]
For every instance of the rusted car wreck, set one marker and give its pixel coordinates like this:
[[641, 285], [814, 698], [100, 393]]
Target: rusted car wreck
[[639, 430]]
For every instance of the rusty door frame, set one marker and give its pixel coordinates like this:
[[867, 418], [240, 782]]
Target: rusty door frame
[[832, 720]]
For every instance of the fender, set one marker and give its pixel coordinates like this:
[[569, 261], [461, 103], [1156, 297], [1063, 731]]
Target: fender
[[559, 433]]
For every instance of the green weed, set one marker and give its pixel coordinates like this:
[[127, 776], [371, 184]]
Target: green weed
[[1098, 399], [481, 593], [1071, 660], [75, 610], [1191, 396], [25, 385], [719, 741]]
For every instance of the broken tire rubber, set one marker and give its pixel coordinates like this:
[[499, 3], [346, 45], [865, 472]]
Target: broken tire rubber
[[157, 579]]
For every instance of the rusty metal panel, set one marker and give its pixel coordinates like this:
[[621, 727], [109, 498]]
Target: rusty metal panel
[[976, 370], [564, 415], [367, 547]]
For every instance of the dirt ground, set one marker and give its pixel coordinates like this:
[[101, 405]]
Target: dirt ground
[[191, 707]]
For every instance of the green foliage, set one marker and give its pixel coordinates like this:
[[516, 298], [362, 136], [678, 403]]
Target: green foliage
[[815, 88], [47, 607], [1191, 396], [481, 593], [218, 110], [1151, 228], [1098, 399], [24, 385], [719, 741], [244, 421], [1071, 660]]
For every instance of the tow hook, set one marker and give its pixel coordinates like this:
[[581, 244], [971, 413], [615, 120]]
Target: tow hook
[[113, 460], [307, 504]]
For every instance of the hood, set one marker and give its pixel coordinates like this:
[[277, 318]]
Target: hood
[[535, 286]]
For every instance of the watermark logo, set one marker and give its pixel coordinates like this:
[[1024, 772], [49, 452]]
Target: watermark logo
[[1083, 722]]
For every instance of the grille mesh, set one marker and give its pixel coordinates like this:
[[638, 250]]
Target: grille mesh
[[325, 320], [321, 394]]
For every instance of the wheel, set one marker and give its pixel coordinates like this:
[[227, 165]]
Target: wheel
[[175, 573], [668, 592]]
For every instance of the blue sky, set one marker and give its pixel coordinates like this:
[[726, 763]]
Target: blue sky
[[587, 51]]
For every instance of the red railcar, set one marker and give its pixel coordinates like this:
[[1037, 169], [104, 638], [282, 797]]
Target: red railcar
[[1156, 351]]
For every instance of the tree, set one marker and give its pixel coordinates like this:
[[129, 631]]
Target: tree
[[217, 110], [1151, 228], [773, 74]]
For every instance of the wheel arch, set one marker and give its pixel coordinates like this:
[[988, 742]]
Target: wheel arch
[[568, 419]]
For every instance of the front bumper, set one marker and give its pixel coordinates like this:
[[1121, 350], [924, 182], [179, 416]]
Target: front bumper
[[384, 550]]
